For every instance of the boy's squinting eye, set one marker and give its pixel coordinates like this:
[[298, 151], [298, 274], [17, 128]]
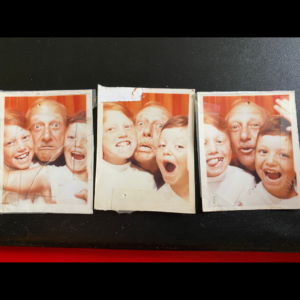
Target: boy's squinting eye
[[161, 145], [262, 151], [9, 143], [71, 137], [179, 147]]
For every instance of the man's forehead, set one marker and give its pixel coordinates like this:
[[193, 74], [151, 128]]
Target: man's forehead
[[154, 112], [247, 111], [47, 108]]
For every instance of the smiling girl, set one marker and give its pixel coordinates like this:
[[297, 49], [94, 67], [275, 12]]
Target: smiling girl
[[227, 185], [119, 142]]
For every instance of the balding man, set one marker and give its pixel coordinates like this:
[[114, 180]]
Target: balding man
[[244, 121], [47, 121], [148, 124]]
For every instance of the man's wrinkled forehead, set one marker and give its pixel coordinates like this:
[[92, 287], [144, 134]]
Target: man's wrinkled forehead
[[246, 111], [153, 113], [47, 111]]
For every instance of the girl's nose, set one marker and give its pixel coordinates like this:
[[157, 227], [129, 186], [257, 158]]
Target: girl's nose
[[20, 146]]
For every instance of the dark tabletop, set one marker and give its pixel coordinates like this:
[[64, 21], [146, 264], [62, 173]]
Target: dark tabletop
[[230, 64]]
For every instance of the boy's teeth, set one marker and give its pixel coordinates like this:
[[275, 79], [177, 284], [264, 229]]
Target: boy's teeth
[[123, 144]]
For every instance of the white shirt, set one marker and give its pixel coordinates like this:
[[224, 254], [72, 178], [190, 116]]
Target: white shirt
[[230, 187], [261, 197], [64, 184], [127, 176]]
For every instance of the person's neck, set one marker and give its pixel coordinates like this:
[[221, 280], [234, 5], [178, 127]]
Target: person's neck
[[82, 175], [115, 160], [182, 190], [250, 168], [150, 165]]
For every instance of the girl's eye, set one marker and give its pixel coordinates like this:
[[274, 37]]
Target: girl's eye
[[179, 147], [127, 126], [26, 137], [141, 123], [10, 143], [161, 146], [283, 155], [111, 129]]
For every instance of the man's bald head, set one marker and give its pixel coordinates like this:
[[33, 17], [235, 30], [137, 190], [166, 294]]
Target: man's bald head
[[47, 121], [244, 121]]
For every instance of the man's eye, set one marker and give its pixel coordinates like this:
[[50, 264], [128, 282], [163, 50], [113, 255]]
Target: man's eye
[[141, 123], [56, 125], [255, 125], [37, 126], [235, 127]]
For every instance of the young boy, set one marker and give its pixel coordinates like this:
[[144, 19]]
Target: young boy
[[119, 142], [172, 160], [227, 185], [274, 163], [57, 184]]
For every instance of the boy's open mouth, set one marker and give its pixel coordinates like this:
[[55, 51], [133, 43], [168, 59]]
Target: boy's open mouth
[[77, 156], [215, 162], [273, 175], [22, 157], [123, 144], [169, 167]]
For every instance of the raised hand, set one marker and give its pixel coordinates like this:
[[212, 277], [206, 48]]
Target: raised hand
[[284, 108]]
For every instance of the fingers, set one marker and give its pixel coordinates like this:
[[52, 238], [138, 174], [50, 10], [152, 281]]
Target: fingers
[[285, 105], [82, 194]]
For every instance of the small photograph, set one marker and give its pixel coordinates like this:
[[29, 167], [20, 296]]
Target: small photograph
[[46, 155], [145, 156], [249, 150]]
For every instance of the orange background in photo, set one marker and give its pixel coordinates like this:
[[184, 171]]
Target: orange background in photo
[[221, 104], [73, 103], [176, 104]]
